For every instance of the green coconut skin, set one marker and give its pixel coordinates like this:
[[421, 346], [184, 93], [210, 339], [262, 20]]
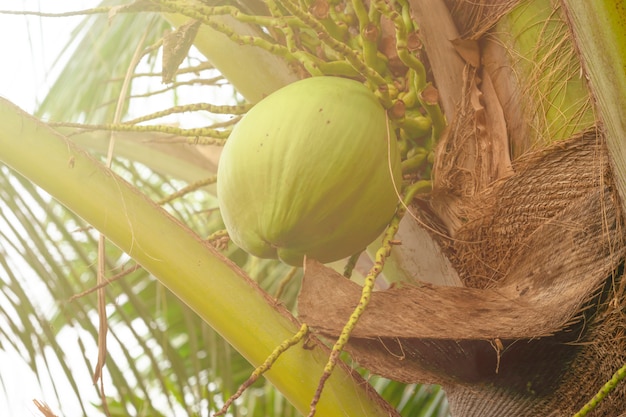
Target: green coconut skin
[[308, 171]]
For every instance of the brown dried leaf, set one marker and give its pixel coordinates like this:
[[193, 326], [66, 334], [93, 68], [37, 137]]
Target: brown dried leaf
[[176, 46], [474, 18], [469, 51], [539, 297], [327, 299], [431, 333], [44, 409], [473, 153]]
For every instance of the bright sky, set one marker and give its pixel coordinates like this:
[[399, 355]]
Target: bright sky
[[28, 49], [30, 45]]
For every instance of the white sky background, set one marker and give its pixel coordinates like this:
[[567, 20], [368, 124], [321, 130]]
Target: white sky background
[[28, 48]]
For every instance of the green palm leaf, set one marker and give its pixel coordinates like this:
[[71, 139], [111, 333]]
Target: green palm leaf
[[100, 53]]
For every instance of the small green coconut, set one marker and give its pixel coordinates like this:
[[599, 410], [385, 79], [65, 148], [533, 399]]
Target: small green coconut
[[310, 170]]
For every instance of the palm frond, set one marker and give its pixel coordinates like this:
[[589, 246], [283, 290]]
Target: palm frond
[[101, 50]]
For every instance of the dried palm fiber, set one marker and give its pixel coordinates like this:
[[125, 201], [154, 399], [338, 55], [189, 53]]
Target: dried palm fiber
[[527, 51], [533, 51], [577, 369], [522, 91], [502, 218], [474, 151], [572, 365], [475, 17], [507, 348]]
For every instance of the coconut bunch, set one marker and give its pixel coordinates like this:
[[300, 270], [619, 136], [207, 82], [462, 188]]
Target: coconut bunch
[[370, 133]]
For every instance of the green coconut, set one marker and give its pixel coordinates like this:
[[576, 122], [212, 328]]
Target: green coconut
[[310, 170]]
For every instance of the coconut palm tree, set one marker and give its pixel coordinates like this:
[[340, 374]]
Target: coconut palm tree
[[507, 282]]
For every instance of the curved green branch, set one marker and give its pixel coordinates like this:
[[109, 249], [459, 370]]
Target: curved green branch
[[209, 283]]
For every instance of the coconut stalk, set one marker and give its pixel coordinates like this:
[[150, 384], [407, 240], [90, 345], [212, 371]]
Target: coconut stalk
[[600, 36], [211, 285]]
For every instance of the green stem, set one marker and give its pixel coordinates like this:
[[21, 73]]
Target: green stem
[[260, 370], [219, 135], [211, 108], [253, 71], [604, 391], [366, 294], [600, 34], [414, 162], [351, 56], [370, 35], [402, 49], [210, 284]]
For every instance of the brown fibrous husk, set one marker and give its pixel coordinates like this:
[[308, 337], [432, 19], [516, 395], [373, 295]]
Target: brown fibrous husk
[[528, 328]]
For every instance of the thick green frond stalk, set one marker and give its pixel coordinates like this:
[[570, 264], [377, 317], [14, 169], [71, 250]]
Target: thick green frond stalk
[[210, 284], [599, 29], [555, 103]]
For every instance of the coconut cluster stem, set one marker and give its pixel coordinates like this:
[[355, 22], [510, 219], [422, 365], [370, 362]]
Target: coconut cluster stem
[[215, 236], [604, 391], [284, 282], [188, 189], [265, 366], [347, 270], [313, 64], [344, 50], [369, 27], [402, 49], [314, 39], [218, 136], [381, 256], [211, 108], [205, 13]]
